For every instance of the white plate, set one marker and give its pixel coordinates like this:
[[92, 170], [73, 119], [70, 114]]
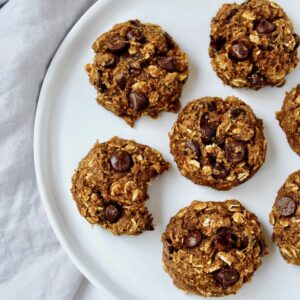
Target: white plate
[[69, 121]]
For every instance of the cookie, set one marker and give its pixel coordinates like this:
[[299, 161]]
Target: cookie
[[218, 143], [289, 118], [285, 218], [110, 185], [253, 44], [138, 70], [212, 248]]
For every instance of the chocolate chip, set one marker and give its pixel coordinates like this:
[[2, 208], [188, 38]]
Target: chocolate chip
[[135, 23], [121, 161], [239, 51], [231, 14], [235, 112], [264, 26], [235, 152], [212, 106], [297, 40], [169, 40], [167, 63], [225, 239], [286, 206], [194, 146], [242, 243], [216, 44], [101, 86], [255, 79], [208, 132], [226, 277], [138, 101], [193, 239], [219, 171], [204, 119], [135, 34], [121, 80], [112, 213], [116, 45]]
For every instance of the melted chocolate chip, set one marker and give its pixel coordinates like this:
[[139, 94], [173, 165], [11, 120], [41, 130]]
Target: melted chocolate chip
[[138, 101], [242, 243], [225, 239], [101, 86], [239, 51], [169, 40], [231, 14], [121, 80], [216, 44], [204, 119], [121, 161], [136, 23], [297, 40], [226, 277], [194, 146], [235, 112], [167, 63], [116, 45], [235, 152], [286, 206], [212, 106], [112, 213], [264, 26], [193, 239], [135, 34], [208, 132]]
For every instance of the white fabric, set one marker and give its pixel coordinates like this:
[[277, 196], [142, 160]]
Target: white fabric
[[32, 263]]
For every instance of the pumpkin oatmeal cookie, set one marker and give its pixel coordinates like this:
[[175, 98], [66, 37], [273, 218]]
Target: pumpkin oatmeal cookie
[[285, 218], [138, 70], [212, 248], [289, 118], [218, 143], [253, 44], [110, 185]]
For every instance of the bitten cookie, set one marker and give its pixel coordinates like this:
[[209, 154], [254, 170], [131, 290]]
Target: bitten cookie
[[110, 185], [138, 70], [285, 218], [212, 248], [218, 143], [253, 44], [289, 118]]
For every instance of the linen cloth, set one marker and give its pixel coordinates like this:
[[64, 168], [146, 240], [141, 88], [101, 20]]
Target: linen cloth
[[32, 263]]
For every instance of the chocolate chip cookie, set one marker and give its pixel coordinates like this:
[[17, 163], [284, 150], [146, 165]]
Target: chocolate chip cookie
[[212, 248], [289, 118], [253, 44], [138, 70], [110, 185], [285, 218], [218, 143]]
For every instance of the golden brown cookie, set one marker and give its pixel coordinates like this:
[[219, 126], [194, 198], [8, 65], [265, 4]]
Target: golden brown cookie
[[218, 143], [110, 185], [212, 248], [253, 44], [138, 70], [285, 218], [289, 118]]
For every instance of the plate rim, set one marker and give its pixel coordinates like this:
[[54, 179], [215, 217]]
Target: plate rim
[[38, 131]]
